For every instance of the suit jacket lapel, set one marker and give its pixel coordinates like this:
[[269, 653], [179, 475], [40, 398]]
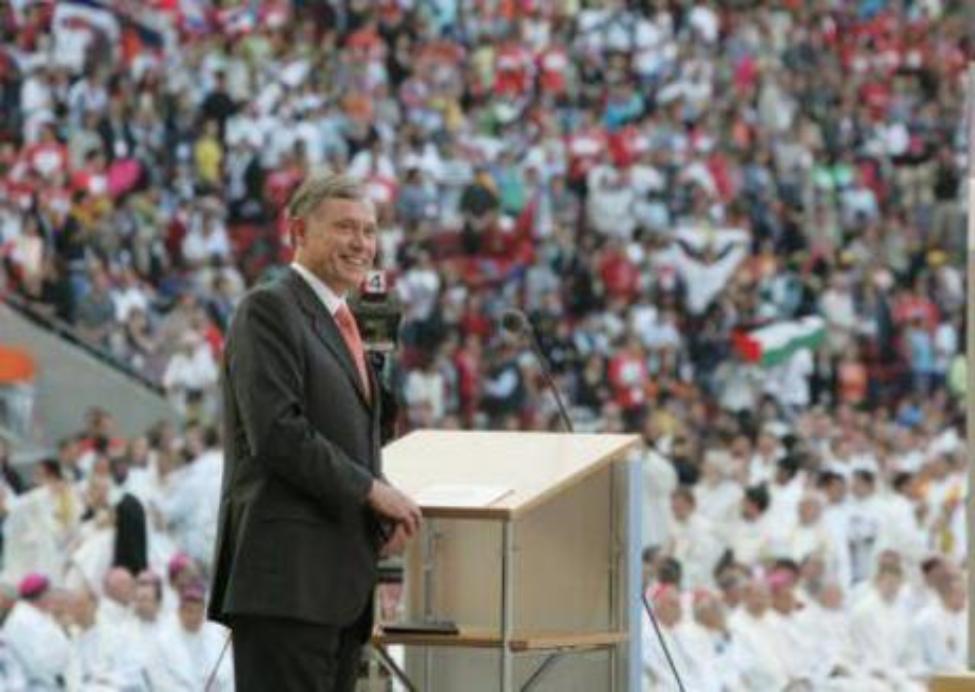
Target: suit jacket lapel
[[323, 324]]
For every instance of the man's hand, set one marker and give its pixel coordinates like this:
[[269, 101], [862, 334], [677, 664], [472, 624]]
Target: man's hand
[[393, 504], [395, 544]]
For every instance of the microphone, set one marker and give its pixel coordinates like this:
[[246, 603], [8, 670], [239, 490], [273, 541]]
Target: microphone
[[516, 323]]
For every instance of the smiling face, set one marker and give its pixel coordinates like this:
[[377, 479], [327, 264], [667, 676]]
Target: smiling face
[[337, 242]]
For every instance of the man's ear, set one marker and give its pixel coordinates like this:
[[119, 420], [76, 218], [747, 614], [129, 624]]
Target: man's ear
[[296, 230]]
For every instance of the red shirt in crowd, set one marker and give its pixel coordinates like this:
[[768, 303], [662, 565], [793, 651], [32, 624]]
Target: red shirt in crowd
[[586, 146], [620, 276], [627, 145], [912, 306], [552, 65], [628, 376], [47, 158], [514, 68]]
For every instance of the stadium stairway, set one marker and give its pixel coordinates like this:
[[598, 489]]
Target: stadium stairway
[[46, 399]]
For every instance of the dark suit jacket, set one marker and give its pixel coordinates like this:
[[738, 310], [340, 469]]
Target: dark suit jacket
[[295, 537]]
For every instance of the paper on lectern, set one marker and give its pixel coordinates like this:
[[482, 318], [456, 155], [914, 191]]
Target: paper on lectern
[[460, 495]]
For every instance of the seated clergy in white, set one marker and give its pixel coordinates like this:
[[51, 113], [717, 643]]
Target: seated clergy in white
[[826, 622], [752, 629], [940, 632], [718, 495], [809, 536], [40, 526], [164, 670], [95, 651], [880, 628], [12, 676], [191, 638], [693, 540], [35, 637], [753, 534], [114, 608], [657, 674], [784, 617], [728, 659]]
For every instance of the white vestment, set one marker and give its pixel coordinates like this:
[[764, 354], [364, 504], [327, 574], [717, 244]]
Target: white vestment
[[198, 652], [38, 643], [657, 674], [881, 639], [659, 481], [767, 662], [941, 638], [696, 545]]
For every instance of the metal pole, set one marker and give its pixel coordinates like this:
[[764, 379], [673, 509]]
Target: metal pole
[[429, 566], [507, 601], [614, 575], [970, 368], [634, 570]]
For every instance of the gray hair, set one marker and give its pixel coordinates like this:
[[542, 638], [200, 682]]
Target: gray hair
[[319, 187]]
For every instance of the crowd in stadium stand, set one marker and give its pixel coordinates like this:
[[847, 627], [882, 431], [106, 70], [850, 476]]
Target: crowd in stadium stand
[[737, 227]]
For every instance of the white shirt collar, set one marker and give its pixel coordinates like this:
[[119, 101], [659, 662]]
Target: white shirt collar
[[330, 299]]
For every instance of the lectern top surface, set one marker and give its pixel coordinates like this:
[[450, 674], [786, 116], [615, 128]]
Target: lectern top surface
[[529, 466]]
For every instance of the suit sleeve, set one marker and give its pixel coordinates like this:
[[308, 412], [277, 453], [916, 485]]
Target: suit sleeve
[[266, 378]]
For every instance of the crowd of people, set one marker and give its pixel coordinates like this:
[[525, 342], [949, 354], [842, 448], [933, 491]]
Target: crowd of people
[[106, 556], [737, 228]]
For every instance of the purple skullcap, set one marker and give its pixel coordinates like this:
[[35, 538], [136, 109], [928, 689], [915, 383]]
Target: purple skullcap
[[177, 564], [33, 585]]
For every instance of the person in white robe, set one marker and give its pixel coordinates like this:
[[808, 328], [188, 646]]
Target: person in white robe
[[12, 676], [728, 659], [190, 498], [880, 630], [751, 537], [190, 640], [125, 654], [91, 556], [918, 594], [95, 651], [659, 481], [836, 520], [865, 520], [752, 629], [718, 495], [940, 631], [731, 579], [763, 466], [693, 540], [139, 481], [826, 624], [810, 536], [40, 525], [191, 370], [657, 673], [36, 639], [901, 529], [784, 619], [163, 670], [114, 608], [786, 489]]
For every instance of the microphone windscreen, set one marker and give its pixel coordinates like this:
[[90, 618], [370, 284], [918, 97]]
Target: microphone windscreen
[[513, 321]]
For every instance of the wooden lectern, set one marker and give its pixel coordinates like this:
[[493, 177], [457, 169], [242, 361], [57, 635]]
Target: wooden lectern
[[523, 546]]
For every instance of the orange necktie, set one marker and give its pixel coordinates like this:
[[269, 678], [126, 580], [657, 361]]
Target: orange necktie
[[350, 333]]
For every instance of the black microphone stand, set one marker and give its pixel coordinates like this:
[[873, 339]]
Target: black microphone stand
[[547, 376]]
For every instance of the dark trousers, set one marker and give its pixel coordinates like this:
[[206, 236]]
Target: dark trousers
[[288, 655]]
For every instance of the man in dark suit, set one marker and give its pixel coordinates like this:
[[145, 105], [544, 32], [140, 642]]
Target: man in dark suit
[[305, 511]]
